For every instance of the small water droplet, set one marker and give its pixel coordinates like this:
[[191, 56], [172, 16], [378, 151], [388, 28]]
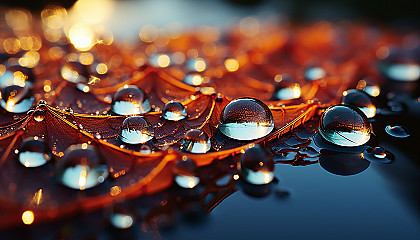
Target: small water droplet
[[130, 100], [256, 167], [196, 141], [345, 125], [246, 119], [401, 65], [38, 115], [82, 168], [136, 129], [361, 100], [34, 152], [16, 99], [145, 149], [174, 111], [121, 220], [314, 73], [185, 171], [74, 72], [286, 88], [378, 155], [16, 75], [369, 86], [397, 131]]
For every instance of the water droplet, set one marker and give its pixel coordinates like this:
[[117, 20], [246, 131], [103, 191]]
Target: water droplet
[[344, 125], [145, 149], [16, 99], [82, 168], [397, 131], [256, 167], [369, 86], [378, 155], [361, 100], [38, 115], [34, 152], [136, 129], [193, 79], [196, 141], [174, 111], [314, 73], [185, 173], [74, 72], [130, 100], [401, 65], [16, 75], [121, 221], [286, 88], [246, 119]]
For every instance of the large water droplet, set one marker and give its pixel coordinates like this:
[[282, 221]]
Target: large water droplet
[[360, 100], [136, 129], [378, 155], [314, 73], [74, 72], [256, 167], [397, 131], [196, 141], [185, 171], [246, 119], [286, 88], [344, 125], [130, 100], [174, 111], [16, 99], [82, 168], [38, 115], [34, 152]]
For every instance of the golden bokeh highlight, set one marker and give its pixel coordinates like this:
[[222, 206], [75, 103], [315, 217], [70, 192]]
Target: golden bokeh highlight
[[231, 64], [28, 217], [82, 36]]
